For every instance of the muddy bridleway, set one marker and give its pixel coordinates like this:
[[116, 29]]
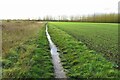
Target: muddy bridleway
[[58, 69]]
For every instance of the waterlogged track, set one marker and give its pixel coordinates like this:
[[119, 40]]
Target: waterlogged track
[[59, 71]]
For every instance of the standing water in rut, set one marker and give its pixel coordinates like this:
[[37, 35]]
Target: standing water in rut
[[58, 69]]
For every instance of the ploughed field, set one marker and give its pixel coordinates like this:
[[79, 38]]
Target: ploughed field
[[101, 37]]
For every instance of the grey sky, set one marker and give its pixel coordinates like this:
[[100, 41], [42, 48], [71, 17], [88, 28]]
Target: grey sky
[[15, 9]]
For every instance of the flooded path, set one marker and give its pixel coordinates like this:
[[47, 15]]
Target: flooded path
[[58, 69]]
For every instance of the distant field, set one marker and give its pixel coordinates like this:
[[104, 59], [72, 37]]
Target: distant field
[[101, 37], [17, 32]]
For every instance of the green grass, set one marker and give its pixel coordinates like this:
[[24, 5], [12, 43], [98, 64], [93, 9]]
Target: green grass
[[77, 59], [101, 37], [31, 59]]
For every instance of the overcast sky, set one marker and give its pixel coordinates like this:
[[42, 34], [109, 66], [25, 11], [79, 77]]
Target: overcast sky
[[20, 9]]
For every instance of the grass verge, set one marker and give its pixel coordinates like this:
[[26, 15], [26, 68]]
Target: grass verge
[[31, 59]]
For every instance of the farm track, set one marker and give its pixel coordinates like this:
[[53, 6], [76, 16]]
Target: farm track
[[58, 69]]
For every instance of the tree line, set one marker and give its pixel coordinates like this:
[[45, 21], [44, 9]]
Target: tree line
[[99, 18], [105, 18]]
